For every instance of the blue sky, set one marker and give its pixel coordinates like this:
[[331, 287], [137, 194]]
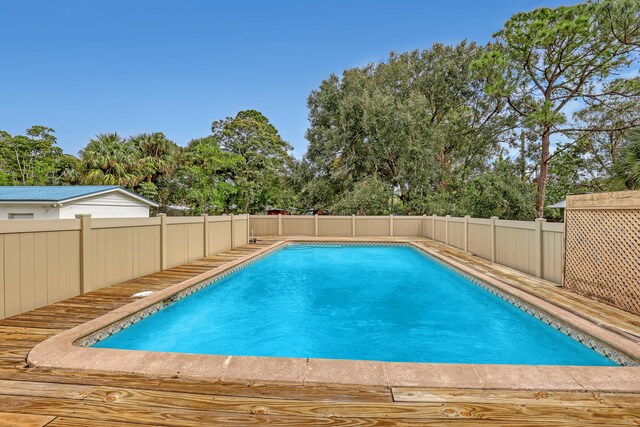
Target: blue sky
[[85, 67]]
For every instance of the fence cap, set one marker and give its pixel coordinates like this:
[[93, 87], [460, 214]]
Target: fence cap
[[613, 200]]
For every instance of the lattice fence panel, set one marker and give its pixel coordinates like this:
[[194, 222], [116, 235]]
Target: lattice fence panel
[[603, 255]]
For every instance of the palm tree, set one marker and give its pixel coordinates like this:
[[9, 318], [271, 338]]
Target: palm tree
[[155, 154], [108, 160], [627, 168], [155, 161]]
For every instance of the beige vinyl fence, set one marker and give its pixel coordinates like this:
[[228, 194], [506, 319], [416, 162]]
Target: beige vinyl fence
[[603, 247], [44, 261], [533, 247]]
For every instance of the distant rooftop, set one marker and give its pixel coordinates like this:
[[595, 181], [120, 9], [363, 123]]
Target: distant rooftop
[[560, 205], [58, 193]]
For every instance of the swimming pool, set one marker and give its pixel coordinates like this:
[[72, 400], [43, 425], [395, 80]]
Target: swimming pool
[[364, 302]]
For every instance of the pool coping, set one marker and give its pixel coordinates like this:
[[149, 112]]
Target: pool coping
[[61, 351]]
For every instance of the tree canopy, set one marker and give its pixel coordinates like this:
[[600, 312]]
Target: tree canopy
[[33, 159], [545, 61], [627, 169], [263, 160], [420, 123]]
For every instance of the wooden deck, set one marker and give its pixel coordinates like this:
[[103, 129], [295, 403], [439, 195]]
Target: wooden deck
[[38, 397]]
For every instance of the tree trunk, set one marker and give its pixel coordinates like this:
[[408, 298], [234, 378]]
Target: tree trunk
[[523, 157], [392, 201], [542, 176]]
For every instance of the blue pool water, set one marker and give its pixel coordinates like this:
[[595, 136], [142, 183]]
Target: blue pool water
[[388, 303]]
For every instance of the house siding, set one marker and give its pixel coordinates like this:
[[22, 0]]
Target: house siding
[[110, 205], [39, 212]]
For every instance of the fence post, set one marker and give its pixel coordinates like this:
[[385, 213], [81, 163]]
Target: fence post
[[315, 225], [232, 238], [353, 225], [391, 225], [248, 231], [424, 226], [466, 233], [493, 238], [205, 237], [433, 227], [538, 246], [163, 241], [279, 224], [446, 229], [86, 260]]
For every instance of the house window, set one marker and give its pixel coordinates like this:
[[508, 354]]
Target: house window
[[20, 216]]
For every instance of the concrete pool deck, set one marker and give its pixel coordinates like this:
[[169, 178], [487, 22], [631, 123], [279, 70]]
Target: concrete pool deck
[[113, 384]]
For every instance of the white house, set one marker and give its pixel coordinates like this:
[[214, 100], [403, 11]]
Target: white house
[[50, 202]]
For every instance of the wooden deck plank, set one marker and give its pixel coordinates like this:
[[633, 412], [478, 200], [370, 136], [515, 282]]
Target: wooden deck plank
[[84, 422], [68, 398], [319, 393], [9, 419], [420, 395], [44, 389], [435, 414], [544, 408]]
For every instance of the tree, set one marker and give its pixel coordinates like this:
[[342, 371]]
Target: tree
[[498, 192], [369, 197], [155, 159], [206, 177], [544, 61], [621, 18], [420, 123], [67, 170], [627, 168], [32, 159], [261, 177], [603, 146], [586, 163], [571, 171], [108, 159], [312, 192]]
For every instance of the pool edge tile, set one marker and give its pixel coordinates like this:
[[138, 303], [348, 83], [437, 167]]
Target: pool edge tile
[[255, 369], [352, 372], [98, 360], [202, 366], [613, 379], [405, 374], [536, 377]]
